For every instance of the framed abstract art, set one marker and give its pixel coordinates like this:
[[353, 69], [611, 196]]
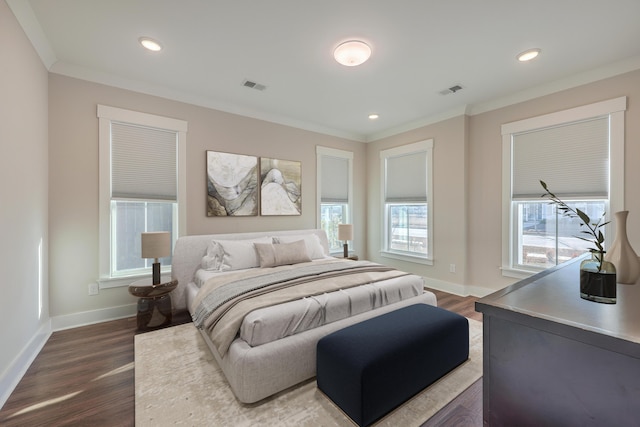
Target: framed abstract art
[[232, 184], [280, 188]]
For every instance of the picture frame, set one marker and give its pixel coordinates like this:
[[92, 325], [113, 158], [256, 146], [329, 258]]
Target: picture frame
[[232, 184], [280, 187]]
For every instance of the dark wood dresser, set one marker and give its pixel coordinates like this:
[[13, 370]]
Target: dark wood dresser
[[554, 359]]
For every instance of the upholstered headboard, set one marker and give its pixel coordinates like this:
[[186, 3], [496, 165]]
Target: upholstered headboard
[[189, 250]]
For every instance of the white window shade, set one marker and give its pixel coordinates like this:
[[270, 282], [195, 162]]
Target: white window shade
[[572, 159], [335, 180], [143, 162], [406, 179]]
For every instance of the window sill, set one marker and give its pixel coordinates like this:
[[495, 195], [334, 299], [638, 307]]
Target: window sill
[[517, 273], [408, 258], [118, 282]]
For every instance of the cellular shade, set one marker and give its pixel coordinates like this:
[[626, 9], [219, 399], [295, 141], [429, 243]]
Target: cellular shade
[[335, 180], [407, 178], [572, 159], [143, 162]]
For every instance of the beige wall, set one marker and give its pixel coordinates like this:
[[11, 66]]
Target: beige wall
[[23, 201], [49, 186], [484, 244], [448, 202], [73, 135], [467, 160]]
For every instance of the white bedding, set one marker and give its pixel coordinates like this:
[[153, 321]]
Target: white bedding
[[203, 275], [271, 323], [257, 371]]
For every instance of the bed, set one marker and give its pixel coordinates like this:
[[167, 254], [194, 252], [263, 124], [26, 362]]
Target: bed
[[262, 301]]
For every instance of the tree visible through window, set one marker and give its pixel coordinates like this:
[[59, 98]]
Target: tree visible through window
[[335, 189]]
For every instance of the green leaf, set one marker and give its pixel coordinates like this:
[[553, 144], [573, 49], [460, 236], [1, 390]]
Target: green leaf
[[583, 216]]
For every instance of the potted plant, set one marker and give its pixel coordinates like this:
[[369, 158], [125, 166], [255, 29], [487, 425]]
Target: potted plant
[[597, 276]]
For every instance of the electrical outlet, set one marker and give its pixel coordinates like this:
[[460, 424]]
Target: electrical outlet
[[93, 289], [452, 268]]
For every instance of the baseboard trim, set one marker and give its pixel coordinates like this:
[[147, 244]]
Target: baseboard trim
[[479, 291], [84, 318], [13, 375], [10, 380], [456, 288]]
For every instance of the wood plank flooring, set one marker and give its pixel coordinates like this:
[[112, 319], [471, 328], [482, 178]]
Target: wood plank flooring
[[85, 377]]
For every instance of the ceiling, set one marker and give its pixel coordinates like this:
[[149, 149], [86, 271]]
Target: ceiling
[[420, 48]]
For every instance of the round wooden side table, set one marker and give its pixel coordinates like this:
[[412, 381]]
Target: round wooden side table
[[154, 303]]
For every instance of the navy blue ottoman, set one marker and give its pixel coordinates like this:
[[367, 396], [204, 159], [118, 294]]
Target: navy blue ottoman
[[372, 367]]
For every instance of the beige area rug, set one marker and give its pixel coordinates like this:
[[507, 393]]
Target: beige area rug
[[178, 382]]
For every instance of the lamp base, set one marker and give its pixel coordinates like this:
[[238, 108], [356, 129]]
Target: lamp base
[[156, 273], [346, 250]]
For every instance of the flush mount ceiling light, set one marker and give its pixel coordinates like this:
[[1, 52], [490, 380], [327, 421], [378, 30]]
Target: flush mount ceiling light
[[150, 44], [352, 53], [373, 116], [528, 55]]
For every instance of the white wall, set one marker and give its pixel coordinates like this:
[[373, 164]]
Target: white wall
[[23, 203]]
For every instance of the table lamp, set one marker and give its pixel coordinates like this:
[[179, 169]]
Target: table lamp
[[156, 245], [345, 232]]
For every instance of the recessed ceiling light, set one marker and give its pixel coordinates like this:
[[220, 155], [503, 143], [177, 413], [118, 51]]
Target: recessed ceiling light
[[373, 116], [528, 55], [352, 53], [150, 44]]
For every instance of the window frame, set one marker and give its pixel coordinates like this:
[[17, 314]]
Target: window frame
[[425, 146], [106, 115], [614, 109], [348, 156]]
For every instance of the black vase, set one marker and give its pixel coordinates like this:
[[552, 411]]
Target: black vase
[[598, 280]]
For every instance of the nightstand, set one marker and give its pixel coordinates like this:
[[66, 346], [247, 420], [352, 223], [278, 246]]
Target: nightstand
[[351, 257], [154, 303]]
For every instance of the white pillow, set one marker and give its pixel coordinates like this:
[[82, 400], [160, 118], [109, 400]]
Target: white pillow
[[212, 261], [225, 255], [272, 255], [314, 247]]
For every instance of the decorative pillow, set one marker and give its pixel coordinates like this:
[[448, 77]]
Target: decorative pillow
[[212, 261], [225, 255], [272, 255], [266, 254], [312, 241]]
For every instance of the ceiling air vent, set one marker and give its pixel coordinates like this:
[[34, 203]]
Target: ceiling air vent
[[452, 89], [253, 85]]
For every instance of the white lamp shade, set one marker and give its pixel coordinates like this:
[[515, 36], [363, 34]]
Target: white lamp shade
[[156, 244], [345, 231]]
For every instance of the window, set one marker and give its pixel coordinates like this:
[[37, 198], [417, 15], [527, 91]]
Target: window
[[335, 190], [579, 154], [142, 188], [406, 192]]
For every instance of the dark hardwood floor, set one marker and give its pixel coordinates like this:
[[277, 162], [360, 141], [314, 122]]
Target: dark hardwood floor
[[85, 377]]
